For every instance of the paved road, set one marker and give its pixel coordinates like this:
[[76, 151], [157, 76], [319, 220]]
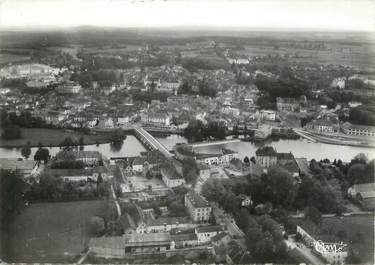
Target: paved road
[[116, 201], [305, 252], [223, 218]]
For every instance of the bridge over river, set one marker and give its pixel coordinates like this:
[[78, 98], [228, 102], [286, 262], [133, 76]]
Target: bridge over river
[[150, 141]]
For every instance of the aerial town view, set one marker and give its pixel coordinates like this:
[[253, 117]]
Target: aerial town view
[[128, 140]]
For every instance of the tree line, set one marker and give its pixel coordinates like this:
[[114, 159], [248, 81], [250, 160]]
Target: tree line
[[197, 131]]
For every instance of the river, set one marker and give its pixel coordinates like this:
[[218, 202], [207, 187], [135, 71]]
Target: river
[[300, 148]]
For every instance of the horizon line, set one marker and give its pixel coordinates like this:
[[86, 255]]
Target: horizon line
[[183, 27]]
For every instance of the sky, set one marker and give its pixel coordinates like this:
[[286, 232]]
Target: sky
[[331, 15]]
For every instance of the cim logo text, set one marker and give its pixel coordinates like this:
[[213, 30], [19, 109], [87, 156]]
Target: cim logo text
[[323, 247]]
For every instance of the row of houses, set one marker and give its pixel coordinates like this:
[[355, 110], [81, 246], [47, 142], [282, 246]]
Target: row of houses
[[328, 127], [184, 151], [151, 243], [142, 220]]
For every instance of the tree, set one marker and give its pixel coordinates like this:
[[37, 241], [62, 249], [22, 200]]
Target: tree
[[356, 174], [278, 187], [242, 219], [252, 159], [68, 142], [42, 154], [235, 130], [190, 170], [216, 130], [195, 130], [213, 190], [157, 210], [118, 135], [148, 174], [26, 150], [314, 215], [206, 90], [100, 179], [331, 104]]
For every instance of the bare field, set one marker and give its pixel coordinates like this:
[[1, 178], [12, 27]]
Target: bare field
[[51, 232]]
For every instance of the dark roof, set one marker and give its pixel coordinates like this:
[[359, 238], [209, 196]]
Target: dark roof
[[228, 151], [184, 236], [168, 220], [210, 228], [169, 171], [196, 200], [219, 236], [285, 156], [69, 172], [266, 151]]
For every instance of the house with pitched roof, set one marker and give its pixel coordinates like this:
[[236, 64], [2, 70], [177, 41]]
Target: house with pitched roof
[[198, 207], [364, 194], [171, 177], [266, 156]]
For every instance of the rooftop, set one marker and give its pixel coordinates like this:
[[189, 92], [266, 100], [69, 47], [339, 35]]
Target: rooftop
[[366, 190], [168, 220], [69, 172], [210, 228], [184, 236], [285, 156], [147, 238], [170, 172], [219, 236], [266, 151], [348, 125]]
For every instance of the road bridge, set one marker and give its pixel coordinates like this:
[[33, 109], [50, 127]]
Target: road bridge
[[150, 142]]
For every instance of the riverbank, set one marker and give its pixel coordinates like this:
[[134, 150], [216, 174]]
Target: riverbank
[[336, 140], [53, 137]]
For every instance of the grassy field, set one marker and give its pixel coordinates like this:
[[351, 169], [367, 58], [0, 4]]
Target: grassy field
[[51, 232], [52, 137], [353, 225], [360, 56], [12, 58]]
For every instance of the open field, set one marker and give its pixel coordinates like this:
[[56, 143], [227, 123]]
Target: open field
[[358, 56], [52, 137], [358, 228], [363, 224], [51, 232], [6, 58]]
